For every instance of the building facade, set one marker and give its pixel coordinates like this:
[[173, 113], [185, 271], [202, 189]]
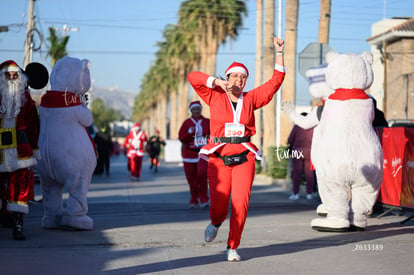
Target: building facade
[[392, 44]]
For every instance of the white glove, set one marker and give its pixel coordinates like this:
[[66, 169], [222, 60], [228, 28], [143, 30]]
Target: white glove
[[288, 107]]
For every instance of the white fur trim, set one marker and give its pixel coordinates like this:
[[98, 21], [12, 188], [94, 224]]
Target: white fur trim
[[195, 105], [204, 157], [212, 150], [12, 163], [188, 160], [18, 207], [280, 68], [236, 70], [258, 153], [11, 68], [210, 82]]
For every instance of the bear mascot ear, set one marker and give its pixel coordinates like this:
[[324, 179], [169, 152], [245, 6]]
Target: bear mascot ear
[[37, 75]]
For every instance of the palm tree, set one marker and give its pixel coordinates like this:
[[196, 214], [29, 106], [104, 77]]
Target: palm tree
[[181, 55], [192, 44], [289, 84], [269, 111], [259, 69], [57, 48], [211, 23]]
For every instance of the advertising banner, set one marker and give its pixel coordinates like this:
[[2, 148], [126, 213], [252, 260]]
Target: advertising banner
[[397, 188]]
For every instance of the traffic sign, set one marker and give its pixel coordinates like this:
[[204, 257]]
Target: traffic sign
[[312, 56]]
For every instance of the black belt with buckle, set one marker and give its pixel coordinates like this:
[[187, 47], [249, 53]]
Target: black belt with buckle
[[231, 139]]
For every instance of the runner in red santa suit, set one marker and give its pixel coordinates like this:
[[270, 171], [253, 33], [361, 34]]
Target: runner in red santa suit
[[231, 155], [134, 146], [194, 134], [18, 149]]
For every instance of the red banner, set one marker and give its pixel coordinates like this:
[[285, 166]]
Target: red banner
[[397, 188]]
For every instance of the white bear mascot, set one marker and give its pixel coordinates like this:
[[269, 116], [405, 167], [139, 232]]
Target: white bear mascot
[[319, 90], [67, 151], [346, 152]]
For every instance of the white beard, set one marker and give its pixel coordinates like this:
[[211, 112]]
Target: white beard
[[12, 98]]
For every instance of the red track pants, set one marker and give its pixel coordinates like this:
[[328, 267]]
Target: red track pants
[[196, 174], [235, 181], [135, 165]]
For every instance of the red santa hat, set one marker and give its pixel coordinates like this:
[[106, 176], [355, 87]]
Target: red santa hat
[[236, 67], [9, 66], [136, 126], [195, 103]]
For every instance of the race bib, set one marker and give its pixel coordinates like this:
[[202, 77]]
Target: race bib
[[234, 130], [200, 141]]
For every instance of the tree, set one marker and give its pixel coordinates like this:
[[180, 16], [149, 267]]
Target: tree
[[212, 23], [259, 70], [103, 115], [289, 85], [191, 44], [57, 48], [269, 111]]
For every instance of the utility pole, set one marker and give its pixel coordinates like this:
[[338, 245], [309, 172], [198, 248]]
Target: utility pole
[[257, 139], [324, 21], [28, 46], [384, 57]]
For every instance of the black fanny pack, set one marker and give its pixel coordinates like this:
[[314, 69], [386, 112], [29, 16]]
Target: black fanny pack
[[233, 159]]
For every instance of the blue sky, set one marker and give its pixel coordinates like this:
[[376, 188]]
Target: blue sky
[[120, 37]]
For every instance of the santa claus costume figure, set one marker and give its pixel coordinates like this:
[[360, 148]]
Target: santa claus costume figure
[[194, 134], [134, 147], [231, 154], [19, 129]]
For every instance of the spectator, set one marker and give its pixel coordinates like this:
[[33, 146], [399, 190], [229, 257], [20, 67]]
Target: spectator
[[300, 141], [104, 145], [155, 142]]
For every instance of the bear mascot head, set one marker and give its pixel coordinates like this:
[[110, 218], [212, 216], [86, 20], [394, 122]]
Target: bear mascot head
[[67, 150]]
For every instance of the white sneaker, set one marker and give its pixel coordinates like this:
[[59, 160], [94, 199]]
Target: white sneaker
[[294, 197], [309, 196], [204, 205], [232, 255], [192, 206], [210, 233]]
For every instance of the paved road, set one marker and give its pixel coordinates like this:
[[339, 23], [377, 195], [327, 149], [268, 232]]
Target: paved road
[[145, 228]]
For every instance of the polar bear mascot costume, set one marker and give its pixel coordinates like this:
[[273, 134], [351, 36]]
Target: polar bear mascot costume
[[67, 151], [346, 152], [318, 89]]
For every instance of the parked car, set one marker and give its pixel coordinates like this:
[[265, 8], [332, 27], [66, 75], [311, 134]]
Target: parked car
[[401, 123]]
